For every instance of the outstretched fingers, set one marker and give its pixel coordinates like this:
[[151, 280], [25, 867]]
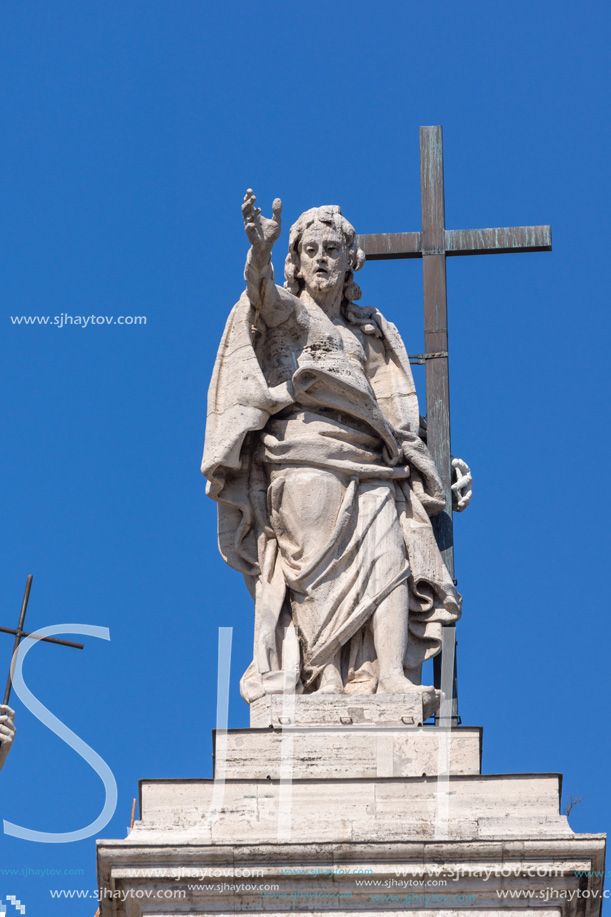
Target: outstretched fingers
[[249, 211], [277, 210]]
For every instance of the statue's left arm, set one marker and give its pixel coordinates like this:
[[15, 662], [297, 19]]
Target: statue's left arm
[[391, 376]]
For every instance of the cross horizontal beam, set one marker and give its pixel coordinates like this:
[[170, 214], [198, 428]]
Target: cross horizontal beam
[[395, 245], [23, 633]]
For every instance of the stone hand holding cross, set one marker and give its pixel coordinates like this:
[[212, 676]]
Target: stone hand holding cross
[[7, 731], [462, 486]]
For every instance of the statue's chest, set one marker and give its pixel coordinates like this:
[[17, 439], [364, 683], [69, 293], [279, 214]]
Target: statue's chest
[[332, 340], [312, 340]]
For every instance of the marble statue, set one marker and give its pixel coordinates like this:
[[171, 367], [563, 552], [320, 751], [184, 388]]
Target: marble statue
[[7, 732], [315, 453]]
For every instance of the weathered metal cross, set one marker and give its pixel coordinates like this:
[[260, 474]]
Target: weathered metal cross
[[433, 244], [20, 633]]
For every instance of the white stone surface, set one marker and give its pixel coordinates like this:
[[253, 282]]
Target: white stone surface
[[225, 846], [337, 710], [323, 481], [349, 752], [343, 810], [210, 877]]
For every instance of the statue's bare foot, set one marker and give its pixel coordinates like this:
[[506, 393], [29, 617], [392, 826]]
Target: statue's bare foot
[[398, 684], [363, 681], [363, 685], [395, 684], [331, 681]]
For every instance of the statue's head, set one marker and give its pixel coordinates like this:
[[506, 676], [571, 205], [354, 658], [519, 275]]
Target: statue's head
[[323, 253]]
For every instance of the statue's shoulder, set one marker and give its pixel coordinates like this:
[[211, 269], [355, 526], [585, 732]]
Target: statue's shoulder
[[369, 320], [359, 313]]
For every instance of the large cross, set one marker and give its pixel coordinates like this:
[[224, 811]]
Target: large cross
[[20, 633], [434, 244]]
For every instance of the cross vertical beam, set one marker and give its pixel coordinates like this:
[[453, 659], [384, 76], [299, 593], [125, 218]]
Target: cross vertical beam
[[433, 247], [18, 635], [433, 244], [436, 327]]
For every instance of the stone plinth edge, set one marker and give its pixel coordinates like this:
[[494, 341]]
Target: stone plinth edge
[[276, 878], [347, 751], [343, 709]]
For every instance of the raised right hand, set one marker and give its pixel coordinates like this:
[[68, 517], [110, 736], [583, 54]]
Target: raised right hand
[[261, 232]]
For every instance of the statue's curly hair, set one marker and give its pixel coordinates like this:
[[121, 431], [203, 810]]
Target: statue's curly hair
[[332, 216]]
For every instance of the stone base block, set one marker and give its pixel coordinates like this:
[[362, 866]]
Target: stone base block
[[344, 709], [347, 751], [436, 879], [350, 811], [338, 817]]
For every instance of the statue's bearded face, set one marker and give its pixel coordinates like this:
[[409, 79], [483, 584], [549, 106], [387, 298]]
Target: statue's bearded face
[[323, 258]]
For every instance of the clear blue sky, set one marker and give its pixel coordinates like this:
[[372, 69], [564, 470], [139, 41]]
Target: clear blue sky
[[130, 131]]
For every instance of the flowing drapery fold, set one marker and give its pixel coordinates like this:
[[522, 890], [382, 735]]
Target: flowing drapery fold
[[376, 486]]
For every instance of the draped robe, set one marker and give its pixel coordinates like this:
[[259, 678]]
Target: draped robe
[[324, 491]]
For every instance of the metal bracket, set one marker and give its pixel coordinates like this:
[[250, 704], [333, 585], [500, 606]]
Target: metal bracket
[[456, 720], [420, 358]]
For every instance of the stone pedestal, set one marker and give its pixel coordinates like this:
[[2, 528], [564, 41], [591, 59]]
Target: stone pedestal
[[347, 808], [344, 710]]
